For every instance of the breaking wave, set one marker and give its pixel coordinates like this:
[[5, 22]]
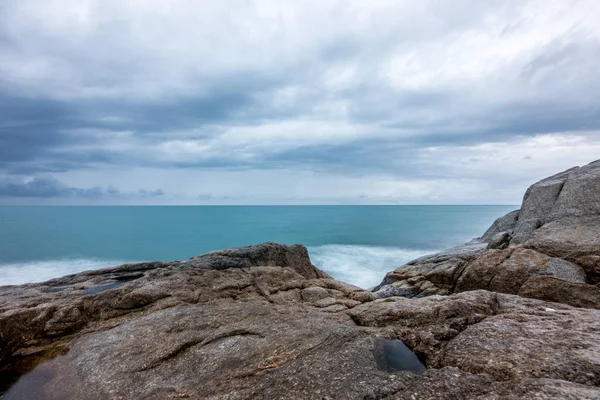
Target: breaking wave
[[363, 266], [40, 271]]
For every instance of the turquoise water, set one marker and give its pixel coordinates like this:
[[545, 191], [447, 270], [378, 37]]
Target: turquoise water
[[357, 244]]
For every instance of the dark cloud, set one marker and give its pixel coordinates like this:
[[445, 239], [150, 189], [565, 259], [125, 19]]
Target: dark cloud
[[46, 187], [28, 127], [150, 193]]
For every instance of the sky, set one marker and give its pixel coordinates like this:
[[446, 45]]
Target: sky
[[294, 101]]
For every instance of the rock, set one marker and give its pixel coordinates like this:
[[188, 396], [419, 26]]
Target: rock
[[504, 224], [313, 294], [500, 240], [65, 305], [591, 265], [555, 233], [579, 195], [266, 254], [235, 342], [506, 271], [537, 204], [481, 332], [565, 270], [467, 252], [572, 193], [557, 290], [428, 275], [572, 238]]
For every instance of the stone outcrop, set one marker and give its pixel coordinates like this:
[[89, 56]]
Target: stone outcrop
[[548, 249]]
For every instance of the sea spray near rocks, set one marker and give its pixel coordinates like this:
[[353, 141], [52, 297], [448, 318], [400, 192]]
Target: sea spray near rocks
[[39, 271], [363, 266]]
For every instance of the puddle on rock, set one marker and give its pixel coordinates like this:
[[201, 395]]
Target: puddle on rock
[[118, 281], [26, 377], [113, 285], [394, 355], [56, 289]]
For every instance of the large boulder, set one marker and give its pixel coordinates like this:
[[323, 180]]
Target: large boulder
[[537, 204], [506, 271], [572, 193], [552, 240], [576, 239]]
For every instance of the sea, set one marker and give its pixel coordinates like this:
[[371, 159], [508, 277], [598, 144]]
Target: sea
[[355, 244]]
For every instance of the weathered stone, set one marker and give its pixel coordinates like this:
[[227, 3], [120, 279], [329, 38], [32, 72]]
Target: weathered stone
[[313, 294], [68, 304], [504, 336], [441, 269], [580, 194], [569, 238], [537, 204], [557, 290], [503, 224], [507, 271], [591, 265], [555, 233], [249, 347], [467, 252], [500, 240], [266, 254]]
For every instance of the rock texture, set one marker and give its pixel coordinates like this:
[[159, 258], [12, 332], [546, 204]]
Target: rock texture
[[512, 315], [549, 249]]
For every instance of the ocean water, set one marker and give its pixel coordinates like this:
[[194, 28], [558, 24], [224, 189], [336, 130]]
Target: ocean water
[[356, 244]]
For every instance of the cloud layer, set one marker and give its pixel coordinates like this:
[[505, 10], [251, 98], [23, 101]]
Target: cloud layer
[[253, 102]]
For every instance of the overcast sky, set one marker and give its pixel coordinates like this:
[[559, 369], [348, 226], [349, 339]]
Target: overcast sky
[[294, 102]]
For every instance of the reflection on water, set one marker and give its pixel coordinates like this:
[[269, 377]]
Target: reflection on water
[[25, 378], [104, 288], [394, 355], [118, 282]]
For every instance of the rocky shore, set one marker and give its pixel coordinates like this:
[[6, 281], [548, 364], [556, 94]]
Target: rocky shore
[[514, 314]]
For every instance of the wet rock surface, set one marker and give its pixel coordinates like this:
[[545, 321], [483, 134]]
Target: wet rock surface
[[516, 319]]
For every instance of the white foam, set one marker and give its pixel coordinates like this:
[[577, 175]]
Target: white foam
[[363, 266], [40, 271]]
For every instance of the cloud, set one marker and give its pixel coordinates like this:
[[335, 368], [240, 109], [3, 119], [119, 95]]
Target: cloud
[[338, 88], [48, 187]]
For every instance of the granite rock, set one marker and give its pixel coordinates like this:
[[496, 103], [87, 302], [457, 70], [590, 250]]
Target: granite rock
[[552, 240]]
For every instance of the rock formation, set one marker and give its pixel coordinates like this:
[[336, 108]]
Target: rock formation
[[549, 249], [512, 315]]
